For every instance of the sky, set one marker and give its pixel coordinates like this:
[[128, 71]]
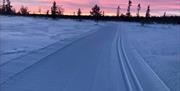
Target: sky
[[158, 7]]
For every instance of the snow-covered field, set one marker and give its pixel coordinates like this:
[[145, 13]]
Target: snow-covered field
[[21, 35], [24, 41], [159, 45]]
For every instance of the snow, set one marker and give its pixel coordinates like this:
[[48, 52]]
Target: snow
[[27, 42], [65, 55], [20, 35], [159, 45]]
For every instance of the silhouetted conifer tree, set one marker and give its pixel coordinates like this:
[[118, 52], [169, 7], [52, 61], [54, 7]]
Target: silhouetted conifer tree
[[4, 2], [60, 11], [47, 12], [129, 8], [103, 14], [164, 14], [7, 8], [0, 9], [54, 9], [118, 11], [96, 11], [148, 11], [138, 9], [122, 15], [39, 10], [3, 7], [24, 10], [79, 12]]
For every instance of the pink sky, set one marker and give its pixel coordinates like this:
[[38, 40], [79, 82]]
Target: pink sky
[[158, 7]]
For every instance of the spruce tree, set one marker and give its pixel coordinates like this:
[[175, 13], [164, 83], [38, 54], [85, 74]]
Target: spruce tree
[[96, 11], [103, 13], [60, 11], [129, 8], [138, 9], [118, 11], [79, 12], [3, 6], [164, 14], [54, 9], [148, 11], [24, 10], [47, 12], [7, 7]]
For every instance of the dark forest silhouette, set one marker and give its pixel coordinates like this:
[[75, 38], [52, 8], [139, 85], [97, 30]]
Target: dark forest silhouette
[[95, 14]]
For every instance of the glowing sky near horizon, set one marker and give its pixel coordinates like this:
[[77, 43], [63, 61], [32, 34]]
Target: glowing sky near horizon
[[158, 7]]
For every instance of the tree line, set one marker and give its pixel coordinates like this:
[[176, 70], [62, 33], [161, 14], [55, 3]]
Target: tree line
[[6, 8], [96, 13]]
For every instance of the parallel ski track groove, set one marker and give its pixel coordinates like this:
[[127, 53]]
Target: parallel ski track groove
[[133, 74], [125, 63], [122, 66]]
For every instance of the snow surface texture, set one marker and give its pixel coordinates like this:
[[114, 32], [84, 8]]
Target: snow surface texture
[[114, 58], [34, 39], [159, 45], [21, 35]]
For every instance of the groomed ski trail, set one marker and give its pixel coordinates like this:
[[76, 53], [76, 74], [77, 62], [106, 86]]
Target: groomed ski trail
[[100, 62]]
